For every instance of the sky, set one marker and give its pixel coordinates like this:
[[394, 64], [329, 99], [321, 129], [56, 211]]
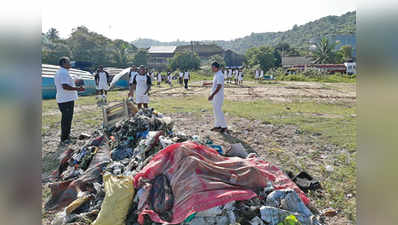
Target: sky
[[186, 20]]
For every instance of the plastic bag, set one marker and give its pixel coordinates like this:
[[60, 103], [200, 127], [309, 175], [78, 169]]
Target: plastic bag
[[119, 192]]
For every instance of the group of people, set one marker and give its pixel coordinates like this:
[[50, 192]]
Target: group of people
[[183, 76], [235, 75], [259, 74], [140, 81]]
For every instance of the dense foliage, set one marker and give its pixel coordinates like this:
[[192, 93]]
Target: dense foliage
[[86, 46], [185, 60]]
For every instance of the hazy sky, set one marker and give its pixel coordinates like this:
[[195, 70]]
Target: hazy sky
[[169, 20]]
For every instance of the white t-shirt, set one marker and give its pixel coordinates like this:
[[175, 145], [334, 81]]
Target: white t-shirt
[[230, 73], [186, 75], [132, 75], [181, 74], [62, 77], [262, 73], [257, 74], [169, 77], [218, 79]]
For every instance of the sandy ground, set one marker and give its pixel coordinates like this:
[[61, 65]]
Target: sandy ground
[[267, 140]]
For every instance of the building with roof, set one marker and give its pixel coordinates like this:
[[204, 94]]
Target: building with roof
[[158, 56]]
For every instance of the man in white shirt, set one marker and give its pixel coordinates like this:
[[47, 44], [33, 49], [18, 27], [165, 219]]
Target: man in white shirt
[[257, 75], [261, 75], [217, 98], [186, 78], [65, 97]]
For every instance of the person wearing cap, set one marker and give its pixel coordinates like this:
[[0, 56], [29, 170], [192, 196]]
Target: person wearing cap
[[217, 98], [140, 85], [65, 97], [102, 81]]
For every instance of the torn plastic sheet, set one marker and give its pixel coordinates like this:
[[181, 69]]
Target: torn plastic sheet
[[202, 179]]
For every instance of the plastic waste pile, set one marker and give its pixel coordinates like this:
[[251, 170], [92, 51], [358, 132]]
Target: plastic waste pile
[[143, 171]]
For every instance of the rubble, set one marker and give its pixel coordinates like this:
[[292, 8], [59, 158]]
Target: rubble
[[120, 177]]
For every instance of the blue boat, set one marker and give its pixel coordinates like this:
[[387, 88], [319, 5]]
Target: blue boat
[[47, 81]]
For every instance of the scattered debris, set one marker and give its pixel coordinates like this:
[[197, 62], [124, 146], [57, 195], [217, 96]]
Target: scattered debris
[[143, 170]]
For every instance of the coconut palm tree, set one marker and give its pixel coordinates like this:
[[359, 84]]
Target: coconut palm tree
[[324, 52]]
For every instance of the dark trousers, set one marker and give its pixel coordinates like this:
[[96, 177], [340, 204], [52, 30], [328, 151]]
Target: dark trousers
[[66, 109], [186, 83]]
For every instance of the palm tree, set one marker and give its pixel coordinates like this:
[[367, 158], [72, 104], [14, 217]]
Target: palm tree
[[323, 52]]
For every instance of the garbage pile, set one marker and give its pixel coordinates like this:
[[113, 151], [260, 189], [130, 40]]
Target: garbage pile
[[143, 171]]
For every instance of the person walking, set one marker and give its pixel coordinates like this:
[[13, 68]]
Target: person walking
[[187, 77], [181, 77], [217, 98], [140, 85], [65, 97]]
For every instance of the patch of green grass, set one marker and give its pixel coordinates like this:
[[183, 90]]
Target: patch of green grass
[[334, 78]]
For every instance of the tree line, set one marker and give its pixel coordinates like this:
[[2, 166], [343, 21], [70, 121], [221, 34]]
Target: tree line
[[86, 46]]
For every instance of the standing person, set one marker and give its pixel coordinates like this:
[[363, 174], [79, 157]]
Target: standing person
[[181, 77], [140, 85], [217, 98], [261, 75], [229, 75], [159, 78], [169, 78], [236, 76], [240, 77], [187, 77], [102, 81], [225, 74], [133, 71], [257, 75], [65, 97]]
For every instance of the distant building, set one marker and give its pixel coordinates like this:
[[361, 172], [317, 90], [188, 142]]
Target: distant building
[[203, 50], [159, 55], [289, 61]]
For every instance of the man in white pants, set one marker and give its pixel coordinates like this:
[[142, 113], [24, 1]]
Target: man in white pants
[[140, 85], [217, 98]]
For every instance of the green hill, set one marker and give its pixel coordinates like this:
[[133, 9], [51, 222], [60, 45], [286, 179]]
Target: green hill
[[298, 36]]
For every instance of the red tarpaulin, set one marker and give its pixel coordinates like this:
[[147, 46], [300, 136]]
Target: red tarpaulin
[[202, 179]]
